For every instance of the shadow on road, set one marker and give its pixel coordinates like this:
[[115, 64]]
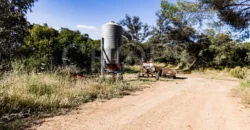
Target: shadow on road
[[154, 80], [181, 78]]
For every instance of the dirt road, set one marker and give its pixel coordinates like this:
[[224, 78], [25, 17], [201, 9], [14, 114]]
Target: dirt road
[[190, 104]]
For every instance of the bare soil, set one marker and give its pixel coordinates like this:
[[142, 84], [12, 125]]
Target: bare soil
[[194, 103]]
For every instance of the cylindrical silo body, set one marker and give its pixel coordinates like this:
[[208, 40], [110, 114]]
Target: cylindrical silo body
[[111, 42]]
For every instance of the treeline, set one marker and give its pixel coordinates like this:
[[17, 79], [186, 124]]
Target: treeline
[[33, 47], [209, 50], [174, 40], [45, 48]]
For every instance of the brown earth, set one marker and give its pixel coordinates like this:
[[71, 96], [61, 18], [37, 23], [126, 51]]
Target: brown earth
[[193, 103]]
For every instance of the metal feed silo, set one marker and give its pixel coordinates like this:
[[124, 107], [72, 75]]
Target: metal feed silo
[[110, 44]]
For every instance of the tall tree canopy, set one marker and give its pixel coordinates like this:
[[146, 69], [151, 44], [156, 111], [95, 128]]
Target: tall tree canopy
[[234, 12], [134, 29], [186, 46], [39, 45], [13, 26]]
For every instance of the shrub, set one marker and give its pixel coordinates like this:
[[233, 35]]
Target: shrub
[[239, 72]]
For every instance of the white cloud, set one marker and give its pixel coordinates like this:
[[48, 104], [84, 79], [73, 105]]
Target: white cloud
[[93, 31], [56, 28], [87, 27]]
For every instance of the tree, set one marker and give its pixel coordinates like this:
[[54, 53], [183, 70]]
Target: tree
[[159, 31], [175, 26], [233, 12], [174, 35], [76, 48], [67, 37], [182, 44], [246, 46], [47, 48], [136, 30], [13, 26], [42, 41]]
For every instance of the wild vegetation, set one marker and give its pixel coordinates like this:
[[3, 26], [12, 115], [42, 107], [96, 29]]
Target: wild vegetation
[[244, 91], [36, 52], [174, 40], [25, 95]]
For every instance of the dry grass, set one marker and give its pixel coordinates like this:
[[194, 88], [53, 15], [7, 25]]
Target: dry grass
[[133, 69], [243, 91], [160, 64], [23, 95], [137, 68], [225, 74], [212, 74], [239, 72]]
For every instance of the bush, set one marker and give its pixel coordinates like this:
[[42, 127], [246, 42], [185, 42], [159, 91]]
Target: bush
[[239, 72], [33, 63]]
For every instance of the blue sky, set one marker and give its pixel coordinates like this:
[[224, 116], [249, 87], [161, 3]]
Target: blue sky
[[88, 15]]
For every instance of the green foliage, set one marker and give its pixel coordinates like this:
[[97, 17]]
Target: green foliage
[[136, 30], [184, 46], [33, 63], [176, 42], [217, 14], [232, 12], [13, 26], [39, 46], [173, 40], [79, 47], [172, 12], [68, 36], [41, 38], [45, 48]]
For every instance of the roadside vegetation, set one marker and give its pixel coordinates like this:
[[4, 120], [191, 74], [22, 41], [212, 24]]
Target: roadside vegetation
[[243, 91], [173, 40], [31, 55], [23, 95], [237, 72]]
